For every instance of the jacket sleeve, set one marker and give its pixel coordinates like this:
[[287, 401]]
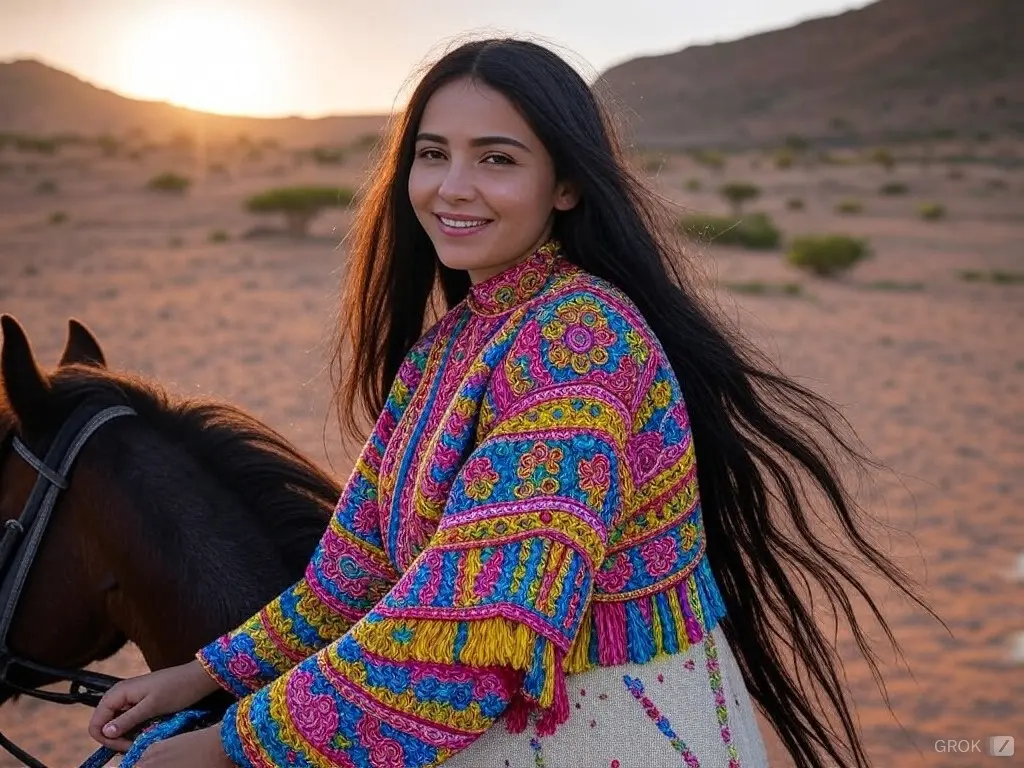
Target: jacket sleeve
[[347, 574], [485, 620]]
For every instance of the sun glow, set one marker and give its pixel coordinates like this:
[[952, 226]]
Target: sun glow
[[205, 59]]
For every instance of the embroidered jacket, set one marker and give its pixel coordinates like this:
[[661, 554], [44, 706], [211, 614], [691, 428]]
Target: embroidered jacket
[[526, 507]]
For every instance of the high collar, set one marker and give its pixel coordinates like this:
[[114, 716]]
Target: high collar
[[515, 285]]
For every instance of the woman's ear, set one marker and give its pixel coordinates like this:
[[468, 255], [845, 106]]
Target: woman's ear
[[566, 196]]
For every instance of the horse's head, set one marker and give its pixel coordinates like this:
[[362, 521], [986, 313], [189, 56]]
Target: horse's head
[[68, 577], [176, 524]]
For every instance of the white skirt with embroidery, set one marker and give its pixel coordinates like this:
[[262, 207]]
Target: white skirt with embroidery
[[691, 709]]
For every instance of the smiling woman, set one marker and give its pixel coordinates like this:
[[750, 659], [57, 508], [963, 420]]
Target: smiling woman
[[210, 60]]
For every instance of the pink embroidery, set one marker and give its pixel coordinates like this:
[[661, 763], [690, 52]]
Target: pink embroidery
[[616, 572], [314, 715], [243, 667], [659, 556]]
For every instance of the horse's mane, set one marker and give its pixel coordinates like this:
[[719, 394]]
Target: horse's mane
[[291, 497]]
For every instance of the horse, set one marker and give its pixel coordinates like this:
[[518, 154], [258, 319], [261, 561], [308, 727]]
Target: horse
[[178, 519]]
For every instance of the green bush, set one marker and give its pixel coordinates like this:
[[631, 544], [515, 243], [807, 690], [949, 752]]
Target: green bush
[[756, 231], [46, 187], [300, 205], [219, 236], [709, 158], [39, 145], [826, 255], [738, 193], [932, 211], [58, 217], [849, 207], [884, 158], [795, 204], [894, 188], [169, 182], [693, 185], [784, 158], [328, 155]]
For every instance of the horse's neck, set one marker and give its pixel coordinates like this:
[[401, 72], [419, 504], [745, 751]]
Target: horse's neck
[[190, 561]]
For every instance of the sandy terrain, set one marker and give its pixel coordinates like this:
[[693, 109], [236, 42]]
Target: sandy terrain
[[932, 376]]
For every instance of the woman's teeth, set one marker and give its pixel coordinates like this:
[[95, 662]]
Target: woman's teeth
[[462, 224]]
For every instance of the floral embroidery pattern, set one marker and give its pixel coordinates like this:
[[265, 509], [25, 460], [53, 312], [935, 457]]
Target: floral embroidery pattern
[[580, 336], [636, 688], [721, 708]]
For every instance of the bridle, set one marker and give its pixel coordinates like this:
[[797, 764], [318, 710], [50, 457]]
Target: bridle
[[18, 547]]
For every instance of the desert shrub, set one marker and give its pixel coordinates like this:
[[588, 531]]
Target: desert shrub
[[797, 143], [956, 174], [218, 168], [756, 231], [108, 145], [38, 144], [300, 205], [46, 187], [709, 159], [826, 255], [738, 193], [883, 157], [219, 236], [759, 288], [795, 204], [784, 158], [894, 188], [932, 211], [848, 207], [175, 241], [366, 141], [169, 182], [693, 185], [58, 217], [327, 155], [1000, 277], [651, 163]]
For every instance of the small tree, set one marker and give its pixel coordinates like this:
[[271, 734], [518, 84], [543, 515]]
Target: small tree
[[300, 205], [738, 193]]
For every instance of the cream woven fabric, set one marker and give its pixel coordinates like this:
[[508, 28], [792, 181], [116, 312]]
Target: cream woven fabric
[[613, 724]]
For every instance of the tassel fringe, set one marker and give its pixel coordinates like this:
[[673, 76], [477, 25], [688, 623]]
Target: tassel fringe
[[612, 633]]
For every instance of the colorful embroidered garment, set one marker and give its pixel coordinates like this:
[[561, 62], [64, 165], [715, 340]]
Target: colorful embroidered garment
[[525, 508]]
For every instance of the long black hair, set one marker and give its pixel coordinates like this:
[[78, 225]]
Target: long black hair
[[758, 434]]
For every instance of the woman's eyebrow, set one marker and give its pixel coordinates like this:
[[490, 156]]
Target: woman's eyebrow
[[479, 141]]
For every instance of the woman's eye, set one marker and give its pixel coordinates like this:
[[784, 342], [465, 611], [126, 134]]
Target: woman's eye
[[430, 154], [499, 160]]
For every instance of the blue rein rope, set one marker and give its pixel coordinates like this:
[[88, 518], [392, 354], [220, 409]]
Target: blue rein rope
[[176, 724]]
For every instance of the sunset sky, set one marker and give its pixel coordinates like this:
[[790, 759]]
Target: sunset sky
[[316, 57]]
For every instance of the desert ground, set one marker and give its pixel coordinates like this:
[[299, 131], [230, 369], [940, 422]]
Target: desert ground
[[920, 345]]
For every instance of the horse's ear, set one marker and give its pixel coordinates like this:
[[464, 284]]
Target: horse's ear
[[82, 347], [25, 384]]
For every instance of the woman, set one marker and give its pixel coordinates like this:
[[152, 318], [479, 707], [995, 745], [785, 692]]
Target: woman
[[545, 554]]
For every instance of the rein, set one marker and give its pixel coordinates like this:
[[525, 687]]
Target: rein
[[19, 544]]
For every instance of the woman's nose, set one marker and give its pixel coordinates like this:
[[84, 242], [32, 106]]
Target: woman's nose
[[457, 184]]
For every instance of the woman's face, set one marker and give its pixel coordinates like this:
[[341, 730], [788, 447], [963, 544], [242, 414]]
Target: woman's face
[[482, 184]]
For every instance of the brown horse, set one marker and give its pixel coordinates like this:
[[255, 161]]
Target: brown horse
[[177, 522]]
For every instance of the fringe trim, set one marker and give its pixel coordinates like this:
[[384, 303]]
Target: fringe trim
[[639, 630], [490, 642], [612, 633]]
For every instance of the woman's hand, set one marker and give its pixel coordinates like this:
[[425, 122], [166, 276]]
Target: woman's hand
[[188, 750], [130, 703]]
